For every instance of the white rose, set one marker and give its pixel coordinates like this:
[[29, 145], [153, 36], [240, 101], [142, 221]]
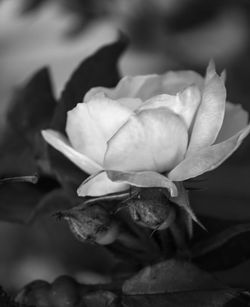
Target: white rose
[[172, 127]]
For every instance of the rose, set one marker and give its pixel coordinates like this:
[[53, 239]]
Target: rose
[[151, 130]]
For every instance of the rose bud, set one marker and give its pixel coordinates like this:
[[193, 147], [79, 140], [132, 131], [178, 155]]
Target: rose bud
[[150, 213], [91, 223]]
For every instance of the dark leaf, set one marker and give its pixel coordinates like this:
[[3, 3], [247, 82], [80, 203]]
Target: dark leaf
[[56, 200], [19, 200], [33, 105], [222, 196], [16, 156], [170, 276], [31, 108], [177, 283], [215, 298], [99, 69], [213, 253]]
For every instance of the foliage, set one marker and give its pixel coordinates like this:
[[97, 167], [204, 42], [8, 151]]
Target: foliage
[[173, 282], [168, 259]]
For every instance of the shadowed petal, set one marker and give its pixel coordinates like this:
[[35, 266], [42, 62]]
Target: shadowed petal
[[185, 103], [207, 158], [235, 119], [148, 86], [90, 125], [151, 140], [126, 101], [210, 114], [128, 86], [59, 142], [146, 179], [130, 103], [99, 184], [176, 81]]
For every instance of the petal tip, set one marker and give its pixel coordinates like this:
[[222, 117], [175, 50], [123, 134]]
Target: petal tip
[[211, 69]]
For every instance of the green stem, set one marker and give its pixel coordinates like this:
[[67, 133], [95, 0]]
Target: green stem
[[180, 240], [30, 179]]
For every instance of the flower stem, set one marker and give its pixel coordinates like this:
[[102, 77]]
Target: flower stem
[[30, 179], [180, 240]]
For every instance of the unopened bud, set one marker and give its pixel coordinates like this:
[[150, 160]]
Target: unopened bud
[[157, 213], [91, 223]]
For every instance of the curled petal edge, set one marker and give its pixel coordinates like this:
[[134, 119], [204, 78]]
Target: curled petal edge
[[210, 114], [99, 185], [60, 142], [207, 158], [144, 179]]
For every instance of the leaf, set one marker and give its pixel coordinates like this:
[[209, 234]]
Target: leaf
[[54, 201], [170, 276], [31, 109], [100, 69], [222, 195], [22, 150], [212, 253], [18, 200], [16, 156], [32, 106], [176, 283], [145, 179], [216, 298]]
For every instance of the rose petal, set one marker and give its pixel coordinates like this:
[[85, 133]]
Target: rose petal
[[148, 86], [210, 114], [184, 103], [146, 179], [235, 119], [128, 87], [176, 81], [207, 158], [150, 140], [99, 184], [90, 125], [211, 70], [59, 142], [131, 103], [128, 102]]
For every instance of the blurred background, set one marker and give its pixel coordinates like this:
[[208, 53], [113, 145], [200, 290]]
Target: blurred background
[[164, 35]]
